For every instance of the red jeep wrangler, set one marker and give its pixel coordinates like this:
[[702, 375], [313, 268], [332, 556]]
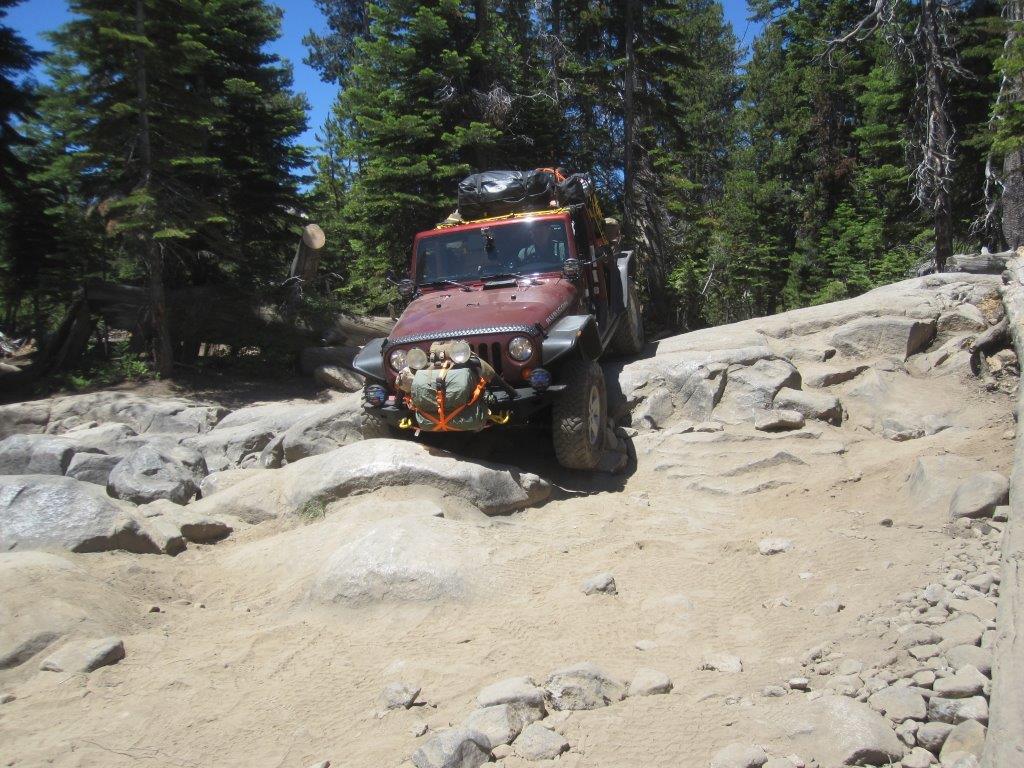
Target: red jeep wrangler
[[507, 317]]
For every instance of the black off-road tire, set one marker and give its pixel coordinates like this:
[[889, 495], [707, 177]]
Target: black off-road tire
[[629, 336], [372, 424], [578, 432]]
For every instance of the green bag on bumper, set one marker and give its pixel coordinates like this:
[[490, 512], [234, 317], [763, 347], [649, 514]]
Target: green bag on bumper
[[459, 386]]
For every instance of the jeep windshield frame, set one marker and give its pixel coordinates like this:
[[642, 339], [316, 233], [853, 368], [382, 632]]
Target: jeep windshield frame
[[498, 250]]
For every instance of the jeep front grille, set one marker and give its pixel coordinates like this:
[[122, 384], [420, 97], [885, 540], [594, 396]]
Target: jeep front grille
[[490, 353]]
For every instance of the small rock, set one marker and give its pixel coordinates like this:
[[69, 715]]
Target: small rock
[[932, 736], [739, 756], [453, 748], [645, 645], [917, 634], [721, 662], [799, 683], [970, 655], [582, 686], [918, 757], [398, 696], [709, 426], [85, 656], [513, 690], [1001, 513], [779, 762], [963, 630], [321, 764], [648, 682], [853, 734], [502, 722], [850, 667], [501, 751], [774, 546], [957, 710], [979, 496], [967, 682], [829, 607], [602, 582], [778, 420], [924, 652], [924, 679], [967, 738], [538, 743], [899, 704], [7, 698], [773, 691], [418, 729]]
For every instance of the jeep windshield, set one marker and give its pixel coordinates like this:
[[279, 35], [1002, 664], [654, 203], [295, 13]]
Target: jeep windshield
[[501, 251]]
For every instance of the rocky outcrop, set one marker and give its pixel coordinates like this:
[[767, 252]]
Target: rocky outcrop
[[412, 559], [149, 473], [142, 414], [47, 512], [371, 465]]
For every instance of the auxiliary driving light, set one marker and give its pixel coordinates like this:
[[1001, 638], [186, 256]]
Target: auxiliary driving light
[[375, 395], [460, 352], [416, 359], [540, 379]]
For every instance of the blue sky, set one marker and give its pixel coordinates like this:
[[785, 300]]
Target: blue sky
[[33, 18]]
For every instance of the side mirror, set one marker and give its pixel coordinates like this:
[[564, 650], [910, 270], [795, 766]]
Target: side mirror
[[571, 268], [406, 289]]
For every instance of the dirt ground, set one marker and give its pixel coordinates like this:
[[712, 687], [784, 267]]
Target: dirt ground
[[241, 668]]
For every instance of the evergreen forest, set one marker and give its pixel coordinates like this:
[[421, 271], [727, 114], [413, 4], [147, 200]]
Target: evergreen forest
[[852, 143]]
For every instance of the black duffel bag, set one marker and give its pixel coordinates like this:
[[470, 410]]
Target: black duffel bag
[[575, 190], [497, 193]]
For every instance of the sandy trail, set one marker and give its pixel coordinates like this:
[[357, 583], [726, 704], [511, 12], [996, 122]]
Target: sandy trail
[[251, 672]]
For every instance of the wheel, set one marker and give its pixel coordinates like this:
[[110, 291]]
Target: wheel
[[372, 424], [579, 415], [629, 337]]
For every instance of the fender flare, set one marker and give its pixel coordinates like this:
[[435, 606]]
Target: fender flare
[[569, 333], [369, 361]]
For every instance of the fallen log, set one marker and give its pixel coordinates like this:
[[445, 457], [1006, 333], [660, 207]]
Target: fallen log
[[974, 263]]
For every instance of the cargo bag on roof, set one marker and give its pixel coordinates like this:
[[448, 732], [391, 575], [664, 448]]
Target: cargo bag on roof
[[497, 193], [575, 190]]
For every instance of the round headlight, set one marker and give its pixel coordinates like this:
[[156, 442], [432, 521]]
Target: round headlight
[[416, 359], [520, 349], [398, 359], [460, 352]]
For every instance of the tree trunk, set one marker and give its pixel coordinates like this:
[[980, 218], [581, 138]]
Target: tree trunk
[[1013, 163], [152, 253], [937, 163], [629, 119], [1013, 198]]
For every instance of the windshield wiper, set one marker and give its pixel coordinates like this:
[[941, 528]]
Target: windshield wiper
[[446, 281], [502, 276]]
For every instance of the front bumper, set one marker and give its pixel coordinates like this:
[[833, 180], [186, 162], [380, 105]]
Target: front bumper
[[526, 402]]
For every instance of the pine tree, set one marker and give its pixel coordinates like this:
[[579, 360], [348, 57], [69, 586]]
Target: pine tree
[[18, 235], [184, 138], [412, 122]]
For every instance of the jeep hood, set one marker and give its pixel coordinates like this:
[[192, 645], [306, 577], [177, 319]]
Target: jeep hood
[[481, 310]]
